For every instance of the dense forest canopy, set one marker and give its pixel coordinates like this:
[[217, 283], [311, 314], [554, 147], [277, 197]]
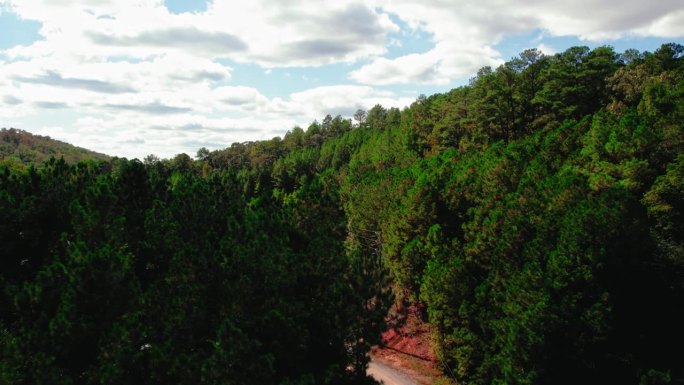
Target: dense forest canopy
[[536, 213]]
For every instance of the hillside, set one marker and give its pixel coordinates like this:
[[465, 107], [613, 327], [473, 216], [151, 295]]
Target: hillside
[[22, 147], [528, 223]]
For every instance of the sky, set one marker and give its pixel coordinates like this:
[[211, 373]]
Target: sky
[[131, 78]]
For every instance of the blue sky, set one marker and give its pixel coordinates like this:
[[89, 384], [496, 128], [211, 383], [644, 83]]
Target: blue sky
[[181, 6], [17, 31], [135, 77]]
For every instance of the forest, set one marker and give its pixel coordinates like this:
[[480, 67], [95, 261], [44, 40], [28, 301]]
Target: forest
[[18, 147], [536, 213]]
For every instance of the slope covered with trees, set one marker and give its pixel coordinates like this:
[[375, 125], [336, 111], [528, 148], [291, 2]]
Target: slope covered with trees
[[536, 213], [20, 148]]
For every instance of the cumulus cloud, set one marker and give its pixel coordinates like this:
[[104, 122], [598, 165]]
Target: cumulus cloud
[[295, 33], [175, 79], [54, 79], [671, 26], [11, 100], [242, 97], [439, 65], [288, 34], [155, 108], [50, 105], [546, 49], [136, 125], [128, 77], [188, 39], [201, 75], [465, 32], [342, 100], [598, 20], [414, 68]]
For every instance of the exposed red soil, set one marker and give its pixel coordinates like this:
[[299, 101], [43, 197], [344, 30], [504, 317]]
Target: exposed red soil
[[409, 334], [406, 345]]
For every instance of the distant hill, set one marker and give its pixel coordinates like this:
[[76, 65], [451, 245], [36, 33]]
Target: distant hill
[[22, 147]]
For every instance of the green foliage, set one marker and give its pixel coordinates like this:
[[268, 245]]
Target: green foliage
[[18, 147], [538, 194], [536, 213], [665, 206], [147, 275]]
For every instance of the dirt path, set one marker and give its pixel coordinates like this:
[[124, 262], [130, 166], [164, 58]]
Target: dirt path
[[387, 374]]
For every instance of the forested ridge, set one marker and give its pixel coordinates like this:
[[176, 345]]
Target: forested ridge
[[536, 213], [20, 148]]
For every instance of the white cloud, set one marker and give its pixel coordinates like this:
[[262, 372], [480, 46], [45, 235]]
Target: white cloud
[[287, 34], [437, 66], [465, 32], [165, 122], [342, 100], [245, 98], [546, 49], [414, 68], [671, 25], [138, 79], [296, 33]]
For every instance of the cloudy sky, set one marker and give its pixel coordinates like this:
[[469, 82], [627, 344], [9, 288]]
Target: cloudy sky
[[135, 77]]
